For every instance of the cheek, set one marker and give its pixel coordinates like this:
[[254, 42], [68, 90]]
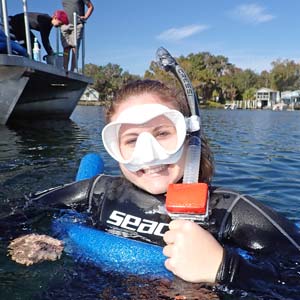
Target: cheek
[[126, 151], [129, 175], [181, 163], [178, 170]]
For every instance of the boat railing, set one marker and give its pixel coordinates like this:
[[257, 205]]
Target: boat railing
[[27, 29], [75, 22], [4, 23]]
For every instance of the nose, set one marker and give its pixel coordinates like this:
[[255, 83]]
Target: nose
[[148, 148]]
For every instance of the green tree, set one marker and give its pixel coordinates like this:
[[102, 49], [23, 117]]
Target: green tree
[[108, 79], [264, 79], [245, 79], [284, 75], [249, 94]]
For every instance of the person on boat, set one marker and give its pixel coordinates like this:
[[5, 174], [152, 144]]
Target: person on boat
[[16, 48], [39, 22], [67, 37], [241, 244]]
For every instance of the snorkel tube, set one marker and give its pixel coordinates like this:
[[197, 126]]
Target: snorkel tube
[[189, 199], [192, 165]]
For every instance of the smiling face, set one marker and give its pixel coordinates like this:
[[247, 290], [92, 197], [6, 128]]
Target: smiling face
[[154, 178]]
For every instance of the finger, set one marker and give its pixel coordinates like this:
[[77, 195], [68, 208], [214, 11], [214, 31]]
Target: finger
[[169, 265], [177, 224], [168, 250], [169, 237]]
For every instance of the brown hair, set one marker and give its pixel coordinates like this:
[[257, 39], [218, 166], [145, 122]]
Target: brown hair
[[167, 95]]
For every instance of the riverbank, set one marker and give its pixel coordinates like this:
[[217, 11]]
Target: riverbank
[[209, 104], [91, 103]]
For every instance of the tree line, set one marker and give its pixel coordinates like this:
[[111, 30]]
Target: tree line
[[213, 77]]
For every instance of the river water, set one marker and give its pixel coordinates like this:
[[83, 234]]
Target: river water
[[256, 152]]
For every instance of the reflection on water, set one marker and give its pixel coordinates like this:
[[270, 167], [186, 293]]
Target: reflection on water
[[38, 155], [256, 152], [34, 149]]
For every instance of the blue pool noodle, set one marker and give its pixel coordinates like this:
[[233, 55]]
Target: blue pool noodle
[[90, 165], [110, 252]]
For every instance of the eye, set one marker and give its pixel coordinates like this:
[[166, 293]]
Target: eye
[[129, 141], [163, 133]]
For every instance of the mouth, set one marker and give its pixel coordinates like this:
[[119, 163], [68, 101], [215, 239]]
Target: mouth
[[154, 170]]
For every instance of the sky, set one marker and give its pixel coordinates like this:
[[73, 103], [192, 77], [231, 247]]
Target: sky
[[251, 34]]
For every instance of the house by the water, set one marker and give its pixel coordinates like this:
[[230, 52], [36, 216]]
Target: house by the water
[[266, 98], [90, 94], [291, 98]]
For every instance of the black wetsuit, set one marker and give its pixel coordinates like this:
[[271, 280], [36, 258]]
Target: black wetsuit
[[260, 245], [37, 21]]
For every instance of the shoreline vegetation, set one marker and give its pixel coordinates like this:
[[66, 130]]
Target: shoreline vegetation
[[208, 104], [216, 80]]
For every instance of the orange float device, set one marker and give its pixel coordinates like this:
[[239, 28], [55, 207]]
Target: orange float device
[[187, 198]]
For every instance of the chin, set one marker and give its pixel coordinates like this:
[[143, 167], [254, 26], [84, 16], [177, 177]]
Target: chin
[[154, 188], [155, 191]]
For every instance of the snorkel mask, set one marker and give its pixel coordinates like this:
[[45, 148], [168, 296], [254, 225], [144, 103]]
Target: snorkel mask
[[148, 151]]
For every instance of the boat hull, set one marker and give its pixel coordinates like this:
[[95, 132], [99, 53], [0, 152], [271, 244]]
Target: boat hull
[[34, 90]]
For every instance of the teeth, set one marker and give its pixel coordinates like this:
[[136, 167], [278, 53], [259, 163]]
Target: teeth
[[155, 169]]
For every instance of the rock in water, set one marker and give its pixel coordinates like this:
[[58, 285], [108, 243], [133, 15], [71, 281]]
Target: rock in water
[[34, 248]]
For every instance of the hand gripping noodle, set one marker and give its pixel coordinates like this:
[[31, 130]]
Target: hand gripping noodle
[[190, 198], [147, 151]]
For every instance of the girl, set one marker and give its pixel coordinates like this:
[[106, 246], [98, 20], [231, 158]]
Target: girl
[[143, 123], [148, 136], [239, 242]]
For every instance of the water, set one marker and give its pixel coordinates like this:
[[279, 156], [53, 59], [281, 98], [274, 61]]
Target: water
[[256, 152]]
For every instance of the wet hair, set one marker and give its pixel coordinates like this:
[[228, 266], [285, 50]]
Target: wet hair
[[167, 95], [147, 86]]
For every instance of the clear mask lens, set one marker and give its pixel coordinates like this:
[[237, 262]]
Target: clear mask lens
[[158, 134]]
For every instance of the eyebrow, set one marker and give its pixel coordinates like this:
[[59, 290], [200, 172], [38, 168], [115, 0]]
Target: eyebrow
[[164, 125]]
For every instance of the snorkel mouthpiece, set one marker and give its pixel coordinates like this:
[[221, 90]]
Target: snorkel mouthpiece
[[165, 60], [189, 199]]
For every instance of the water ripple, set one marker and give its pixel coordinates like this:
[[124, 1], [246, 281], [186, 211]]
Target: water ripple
[[256, 152]]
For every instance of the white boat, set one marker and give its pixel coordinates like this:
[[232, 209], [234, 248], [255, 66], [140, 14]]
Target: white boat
[[280, 106], [230, 106], [34, 90]]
